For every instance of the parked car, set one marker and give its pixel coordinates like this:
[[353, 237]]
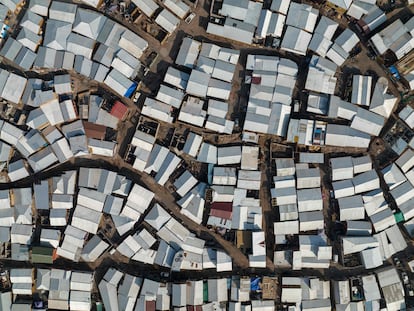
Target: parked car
[[409, 290], [405, 278], [397, 261], [165, 275], [189, 18]]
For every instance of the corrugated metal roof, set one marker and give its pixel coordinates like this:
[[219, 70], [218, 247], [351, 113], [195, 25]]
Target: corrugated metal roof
[[347, 40], [119, 110], [170, 96], [63, 11], [295, 40], [148, 7], [198, 83], [167, 21], [176, 78], [188, 53], [88, 23], [302, 16], [281, 6]]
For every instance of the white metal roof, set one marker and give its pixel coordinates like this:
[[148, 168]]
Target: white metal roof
[[185, 183], [178, 7], [132, 43], [361, 164], [295, 40], [326, 27], [319, 81], [109, 295], [361, 90], [176, 78], [86, 219], [148, 7], [91, 198], [343, 188], [358, 9], [366, 181], [228, 155], [286, 227], [118, 82], [219, 89], [270, 23], [198, 83], [205, 64], [208, 153], [233, 29], [302, 16], [407, 115], [308, 178], [40, 7], [357, 244], [345, 136], [309, 221], [167, 168], [405, 161], [341, 109], [170, 96], [344, 4], [393, 176], [14, 88], [347, 40], [223, 70], [88, 23], [188, 52], [371, 289], [320, 44], [192, 144], [376, 17], [372, 258], [235, 9], [157, 217], [139, 198], [309, 200], [93, 249], [62, 11], [281, 6], [157, 110], [337, 54], [351, 208], [167, 21]]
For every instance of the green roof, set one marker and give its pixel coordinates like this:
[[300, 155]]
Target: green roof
[[399, 217], [42, 254], [205, 291]]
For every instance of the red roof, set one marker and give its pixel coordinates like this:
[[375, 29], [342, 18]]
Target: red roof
[[119, 110], [150, 305], [221, 209], [256, 80], [93, 130]]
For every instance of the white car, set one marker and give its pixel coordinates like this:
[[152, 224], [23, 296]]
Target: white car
[[189, 18], [405, 278], [136, 96]]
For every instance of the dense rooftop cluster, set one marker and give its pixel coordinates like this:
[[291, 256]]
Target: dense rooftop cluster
[[258, 158], [53, 126], [125, 291], [77, 39]]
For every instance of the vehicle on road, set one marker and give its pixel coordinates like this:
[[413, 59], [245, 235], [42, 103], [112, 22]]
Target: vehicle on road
[[165, 275], [397, 262], [189, 18]]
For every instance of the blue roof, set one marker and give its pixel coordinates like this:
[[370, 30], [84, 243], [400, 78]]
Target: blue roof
[[131, 90], [255, 284]]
